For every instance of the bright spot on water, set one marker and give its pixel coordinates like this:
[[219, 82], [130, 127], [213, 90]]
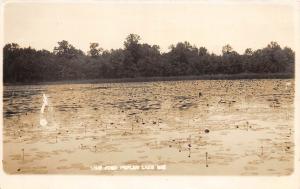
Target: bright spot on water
[[45, 103], [43, 122]]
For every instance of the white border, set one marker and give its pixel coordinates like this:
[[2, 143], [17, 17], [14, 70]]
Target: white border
[[181, 182]]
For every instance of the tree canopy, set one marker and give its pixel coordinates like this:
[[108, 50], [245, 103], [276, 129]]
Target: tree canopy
[[138, 59]]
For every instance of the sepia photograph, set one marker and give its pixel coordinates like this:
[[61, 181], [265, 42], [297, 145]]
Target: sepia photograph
[[149, 88]]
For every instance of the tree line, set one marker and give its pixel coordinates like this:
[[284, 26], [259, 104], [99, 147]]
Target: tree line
[[138, 59]]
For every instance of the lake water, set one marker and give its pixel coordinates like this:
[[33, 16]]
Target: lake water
[[233, 127]]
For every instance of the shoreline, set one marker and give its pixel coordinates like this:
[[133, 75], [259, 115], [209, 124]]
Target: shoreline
[[161, 78]]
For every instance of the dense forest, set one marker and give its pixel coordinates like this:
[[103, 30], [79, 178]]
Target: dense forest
[[137, 59]]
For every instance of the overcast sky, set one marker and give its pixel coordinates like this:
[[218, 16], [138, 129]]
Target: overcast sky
[[212, 25]]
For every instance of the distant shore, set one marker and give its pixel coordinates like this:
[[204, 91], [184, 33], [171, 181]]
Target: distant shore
[[170, 78]]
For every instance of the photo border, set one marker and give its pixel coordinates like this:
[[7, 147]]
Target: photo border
[[183, 182]]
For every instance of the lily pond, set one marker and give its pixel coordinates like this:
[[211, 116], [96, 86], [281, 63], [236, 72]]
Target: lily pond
[[200, 127]]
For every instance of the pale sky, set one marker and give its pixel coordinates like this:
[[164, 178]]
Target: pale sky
[[242, 25]]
